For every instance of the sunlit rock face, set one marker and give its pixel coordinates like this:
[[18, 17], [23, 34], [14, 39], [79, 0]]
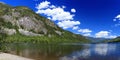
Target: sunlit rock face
[[28, 33], [26, 19], [8, 31], [29, 23]]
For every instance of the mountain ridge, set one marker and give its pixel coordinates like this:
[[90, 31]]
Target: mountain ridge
[[22, 24]]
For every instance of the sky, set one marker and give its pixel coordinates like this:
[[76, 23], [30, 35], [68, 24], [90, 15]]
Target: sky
[[94, 18]]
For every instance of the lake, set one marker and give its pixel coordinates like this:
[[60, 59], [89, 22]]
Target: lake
[[77, 51]]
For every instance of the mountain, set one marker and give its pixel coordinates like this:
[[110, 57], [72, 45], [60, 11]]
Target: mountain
[[97, 40], [20, 24], [114, 40]]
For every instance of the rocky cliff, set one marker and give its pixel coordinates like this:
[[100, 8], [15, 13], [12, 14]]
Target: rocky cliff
[[23, 21]]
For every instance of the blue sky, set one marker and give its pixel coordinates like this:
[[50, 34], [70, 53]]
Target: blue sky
[[96, 18]]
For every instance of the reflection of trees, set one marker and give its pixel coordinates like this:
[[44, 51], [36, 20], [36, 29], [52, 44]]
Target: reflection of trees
[[2, 39], [41, 50]]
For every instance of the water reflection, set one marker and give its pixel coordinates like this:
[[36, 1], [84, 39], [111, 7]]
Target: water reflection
[[104, 49], [75, 55], [41, 51], [92, 52], [101, 49], [64, 52]]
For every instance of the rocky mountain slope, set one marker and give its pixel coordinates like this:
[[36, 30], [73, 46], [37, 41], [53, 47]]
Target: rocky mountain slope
[[22, 24]]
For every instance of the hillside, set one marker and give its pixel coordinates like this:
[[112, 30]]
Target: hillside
[[20, 24], [97, 40], [114, 40]]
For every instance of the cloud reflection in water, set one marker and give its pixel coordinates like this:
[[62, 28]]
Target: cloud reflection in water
[[97, 49]]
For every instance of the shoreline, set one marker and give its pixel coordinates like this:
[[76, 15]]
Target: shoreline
[[7, 56]]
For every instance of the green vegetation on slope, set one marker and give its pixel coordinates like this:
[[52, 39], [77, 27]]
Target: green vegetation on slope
[[44, 39], [114, 40], [10, 17]]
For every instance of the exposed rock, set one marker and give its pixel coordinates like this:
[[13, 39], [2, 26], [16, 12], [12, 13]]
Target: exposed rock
[[9, 18], [9, 31], [29, 23], [15, 14], [58, 32], [28, 33]]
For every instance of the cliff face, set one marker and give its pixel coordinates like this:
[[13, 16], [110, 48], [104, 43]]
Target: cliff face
[[22, 20], [25, 21]]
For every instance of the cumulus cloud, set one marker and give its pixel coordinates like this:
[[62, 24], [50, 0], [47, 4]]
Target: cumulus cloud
[[86, 34], [73, 10], [68, 24], [75, 27], [84, 30], [57, 13], [118, 17], [42, 5], [104, 34]]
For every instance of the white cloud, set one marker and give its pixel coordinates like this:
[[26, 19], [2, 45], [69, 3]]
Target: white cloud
[[112, 36], [75, 27], [84, 30], [42, 5], [68, 24], [117, 17], [73, 10], [104, 34], [57, 13], [87, 34]]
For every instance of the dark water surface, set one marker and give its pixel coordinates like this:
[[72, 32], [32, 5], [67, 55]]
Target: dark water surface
[[109, 51]]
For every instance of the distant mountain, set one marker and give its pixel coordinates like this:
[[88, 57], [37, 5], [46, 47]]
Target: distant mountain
[[114, 40], [96, 40], [20, 24]]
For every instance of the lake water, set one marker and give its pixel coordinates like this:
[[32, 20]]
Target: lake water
[[109, 51]]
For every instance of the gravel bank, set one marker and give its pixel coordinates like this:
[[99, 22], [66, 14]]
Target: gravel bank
[[6, 56]]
